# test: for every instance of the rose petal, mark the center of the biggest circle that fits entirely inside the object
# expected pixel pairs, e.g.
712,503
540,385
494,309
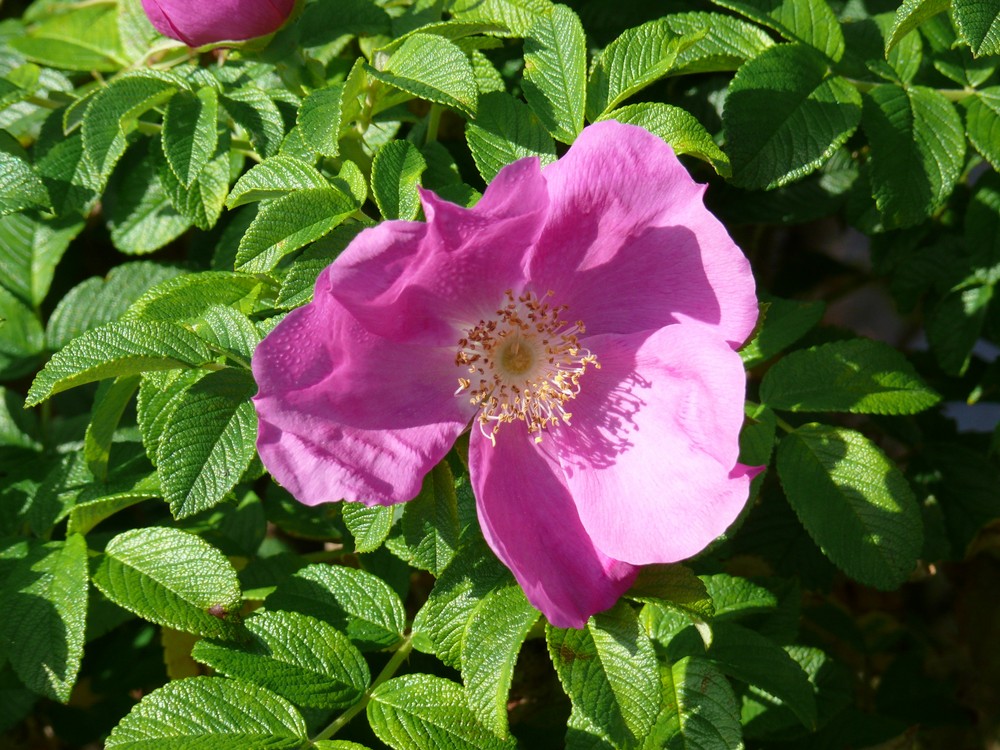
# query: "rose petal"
197,24
345,414
629,245
413,281
529,519
651,455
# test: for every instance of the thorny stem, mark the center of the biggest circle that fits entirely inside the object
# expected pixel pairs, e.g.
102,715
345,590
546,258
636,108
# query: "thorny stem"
390,669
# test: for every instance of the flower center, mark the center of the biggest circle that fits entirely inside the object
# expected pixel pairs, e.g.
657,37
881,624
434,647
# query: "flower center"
525,363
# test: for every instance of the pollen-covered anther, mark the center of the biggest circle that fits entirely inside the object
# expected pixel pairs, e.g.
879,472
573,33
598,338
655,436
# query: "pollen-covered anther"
525,363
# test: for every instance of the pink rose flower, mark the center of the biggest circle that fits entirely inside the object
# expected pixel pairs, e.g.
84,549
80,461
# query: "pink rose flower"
582,318
201,22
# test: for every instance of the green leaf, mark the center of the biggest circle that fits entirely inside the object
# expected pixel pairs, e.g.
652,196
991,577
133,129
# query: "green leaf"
319,120
188,296
140,214
441,624
735,597
296,656
785,115
102,300
190,133
858,376
159,394
493,639
22,340
109,405
432,68
210,713
297,286
115,350
979,24
207,442
113,112
396,172
853,501
610,673
639,57
506,130
555,72
727,43
673,585
678,127
430,524
69,178
171,578
85,38
982,124
418,711
289,223
810,22
368,524
254,111
917,151
910,15
955,324
45,609
230,331
354,601
100,501
201,202
136,32
756,660
783,322
515,15
20,187
30,250
273,178
700,709
18,428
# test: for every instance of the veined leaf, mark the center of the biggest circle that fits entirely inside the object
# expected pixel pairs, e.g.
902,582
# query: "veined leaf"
290,222
857,376
673,585
785,115
255,112
20,187
504,131
853,501
982,124
297,286
396,172
207,442
45,608
185,297
634,60
171,578
979,24
109,405
909,15
610,673
515,15
200,202
418,711
190,132
273,178
700,709
555,72
203,713
30,250
296,656
493,638
810,22
735,597
85,38
726,44
319,120
368,524
115,350
354,601
917,151
432,68
430,525
100,501
22,340
113,111
783,323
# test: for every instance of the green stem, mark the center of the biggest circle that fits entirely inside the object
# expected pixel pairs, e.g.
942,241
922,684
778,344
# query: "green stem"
952,95
390,669
433,123
777,420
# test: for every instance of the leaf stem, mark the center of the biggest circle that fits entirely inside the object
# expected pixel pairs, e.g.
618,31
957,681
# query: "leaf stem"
390,669
952,95
777,420
433,122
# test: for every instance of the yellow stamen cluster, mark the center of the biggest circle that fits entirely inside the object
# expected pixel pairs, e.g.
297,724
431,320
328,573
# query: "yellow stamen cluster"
525,363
